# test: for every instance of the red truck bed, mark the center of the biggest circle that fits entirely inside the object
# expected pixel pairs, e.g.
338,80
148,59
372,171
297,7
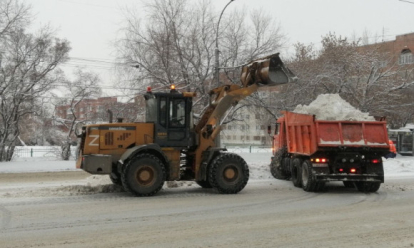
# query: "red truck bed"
305,135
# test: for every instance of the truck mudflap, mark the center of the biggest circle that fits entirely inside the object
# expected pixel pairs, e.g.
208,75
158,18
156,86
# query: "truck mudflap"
97,164
347,177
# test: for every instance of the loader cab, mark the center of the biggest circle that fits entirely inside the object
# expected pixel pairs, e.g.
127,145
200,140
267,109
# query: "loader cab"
172,116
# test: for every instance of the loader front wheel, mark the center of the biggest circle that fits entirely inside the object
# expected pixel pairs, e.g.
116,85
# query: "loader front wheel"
144,175
228,173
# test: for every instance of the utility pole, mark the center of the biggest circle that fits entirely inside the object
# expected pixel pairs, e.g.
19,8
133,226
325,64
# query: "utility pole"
217,51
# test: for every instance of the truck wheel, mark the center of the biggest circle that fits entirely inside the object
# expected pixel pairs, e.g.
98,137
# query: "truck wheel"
308,182
296,172
319,186
286,167
276,166
228,173
204,184
368,187
144,175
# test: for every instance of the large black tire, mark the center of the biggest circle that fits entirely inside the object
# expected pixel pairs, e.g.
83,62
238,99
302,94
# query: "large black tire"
277,168
115,178
143,175
368,187
286,165
204,184
309,183
320,186
296,172
228,173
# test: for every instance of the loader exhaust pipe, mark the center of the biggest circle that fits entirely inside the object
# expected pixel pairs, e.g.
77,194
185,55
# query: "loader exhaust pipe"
268,71
110,114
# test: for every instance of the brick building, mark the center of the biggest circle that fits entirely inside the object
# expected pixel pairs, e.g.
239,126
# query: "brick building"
399,51
96,110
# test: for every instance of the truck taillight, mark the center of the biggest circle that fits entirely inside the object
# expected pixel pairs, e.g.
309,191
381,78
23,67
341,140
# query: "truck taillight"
375,161
352,170
319,160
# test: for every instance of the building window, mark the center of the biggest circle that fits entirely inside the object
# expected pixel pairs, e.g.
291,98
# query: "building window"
256,137
247,137
234,137
406,57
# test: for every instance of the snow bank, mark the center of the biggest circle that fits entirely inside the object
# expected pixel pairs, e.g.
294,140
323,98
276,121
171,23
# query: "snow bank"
332,107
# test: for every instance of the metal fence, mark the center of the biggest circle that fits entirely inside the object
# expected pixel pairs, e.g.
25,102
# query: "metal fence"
55,151
40,151
249,149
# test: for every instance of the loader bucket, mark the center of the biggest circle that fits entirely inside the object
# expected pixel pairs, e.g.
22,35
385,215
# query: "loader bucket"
269,71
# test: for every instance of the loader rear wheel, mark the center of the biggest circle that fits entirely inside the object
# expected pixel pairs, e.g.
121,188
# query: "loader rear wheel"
228,173
115,178
368,187
204,184
277,168
296,172
144,175
309,184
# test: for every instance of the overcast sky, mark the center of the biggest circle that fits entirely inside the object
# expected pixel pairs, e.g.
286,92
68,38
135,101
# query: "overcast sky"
92,25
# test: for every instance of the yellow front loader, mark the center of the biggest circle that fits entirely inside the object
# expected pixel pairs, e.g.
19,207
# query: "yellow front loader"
168,146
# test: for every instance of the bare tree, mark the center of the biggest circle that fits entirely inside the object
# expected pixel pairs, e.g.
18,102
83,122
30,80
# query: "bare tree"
368,77
176,41
27,70
85,85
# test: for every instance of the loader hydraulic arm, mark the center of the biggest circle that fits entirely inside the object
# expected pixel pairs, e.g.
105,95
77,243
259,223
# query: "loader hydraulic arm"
268,71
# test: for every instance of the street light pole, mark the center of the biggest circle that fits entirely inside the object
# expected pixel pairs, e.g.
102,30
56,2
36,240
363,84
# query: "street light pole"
217,52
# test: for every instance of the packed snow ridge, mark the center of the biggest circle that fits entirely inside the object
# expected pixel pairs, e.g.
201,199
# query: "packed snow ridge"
332,107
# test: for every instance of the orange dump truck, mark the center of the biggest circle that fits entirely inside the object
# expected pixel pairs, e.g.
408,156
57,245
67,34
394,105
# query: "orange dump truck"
312,152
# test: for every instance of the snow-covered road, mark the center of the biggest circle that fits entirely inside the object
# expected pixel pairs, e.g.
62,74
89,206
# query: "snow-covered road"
59,206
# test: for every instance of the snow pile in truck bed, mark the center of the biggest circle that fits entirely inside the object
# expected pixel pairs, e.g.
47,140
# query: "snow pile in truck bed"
332,107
